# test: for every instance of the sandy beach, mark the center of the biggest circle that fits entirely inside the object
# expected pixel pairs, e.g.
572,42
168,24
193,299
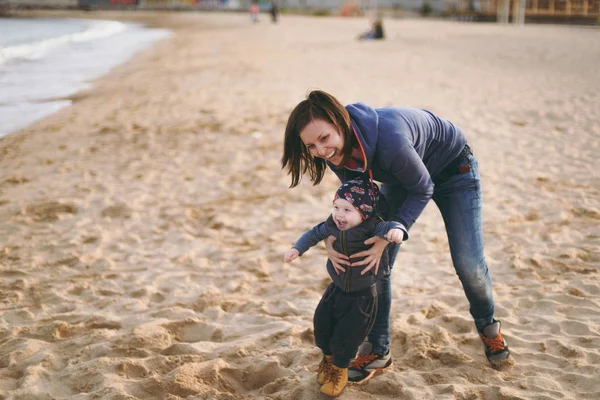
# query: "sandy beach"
143,228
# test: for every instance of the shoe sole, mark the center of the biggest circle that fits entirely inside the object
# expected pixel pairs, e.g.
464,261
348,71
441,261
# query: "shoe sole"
335,396
498,365
501,365
372,374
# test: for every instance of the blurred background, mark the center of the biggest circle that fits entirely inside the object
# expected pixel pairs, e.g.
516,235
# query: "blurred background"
556,11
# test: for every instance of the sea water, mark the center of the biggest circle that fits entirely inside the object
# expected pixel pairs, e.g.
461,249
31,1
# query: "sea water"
42,61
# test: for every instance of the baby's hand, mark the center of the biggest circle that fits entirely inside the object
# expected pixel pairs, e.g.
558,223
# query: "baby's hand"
291,255
395,235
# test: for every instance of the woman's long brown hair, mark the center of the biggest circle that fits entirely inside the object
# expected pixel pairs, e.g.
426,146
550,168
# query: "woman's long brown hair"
296,157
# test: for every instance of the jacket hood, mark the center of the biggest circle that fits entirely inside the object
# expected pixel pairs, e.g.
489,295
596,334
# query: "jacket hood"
365,122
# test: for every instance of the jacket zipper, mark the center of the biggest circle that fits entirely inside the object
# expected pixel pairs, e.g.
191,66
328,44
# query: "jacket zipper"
347,278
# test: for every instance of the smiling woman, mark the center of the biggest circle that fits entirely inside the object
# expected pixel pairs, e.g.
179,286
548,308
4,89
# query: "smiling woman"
318,130
418,157
323,140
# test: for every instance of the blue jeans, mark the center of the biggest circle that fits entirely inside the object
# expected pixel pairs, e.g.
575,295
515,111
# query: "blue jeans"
459,201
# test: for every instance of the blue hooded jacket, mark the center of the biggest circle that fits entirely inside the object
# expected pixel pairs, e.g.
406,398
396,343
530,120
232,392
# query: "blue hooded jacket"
403,146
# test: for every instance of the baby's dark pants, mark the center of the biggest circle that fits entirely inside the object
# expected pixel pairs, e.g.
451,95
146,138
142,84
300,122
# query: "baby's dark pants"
342,321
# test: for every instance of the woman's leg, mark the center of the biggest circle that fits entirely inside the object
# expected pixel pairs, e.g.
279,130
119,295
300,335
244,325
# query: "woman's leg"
379,336
459,201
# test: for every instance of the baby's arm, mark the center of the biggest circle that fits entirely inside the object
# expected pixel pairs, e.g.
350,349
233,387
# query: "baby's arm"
309,239
291,255
395,235
391,231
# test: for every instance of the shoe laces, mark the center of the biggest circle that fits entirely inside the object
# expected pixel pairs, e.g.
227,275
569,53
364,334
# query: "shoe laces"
325,366
334,376
362,360
494,344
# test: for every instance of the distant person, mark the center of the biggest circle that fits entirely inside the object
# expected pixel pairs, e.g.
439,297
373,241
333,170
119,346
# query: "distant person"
274,12
375,33
254,10
348,306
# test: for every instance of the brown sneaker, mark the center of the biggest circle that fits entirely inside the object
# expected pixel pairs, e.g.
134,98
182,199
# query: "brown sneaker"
496,349
324,368
338,379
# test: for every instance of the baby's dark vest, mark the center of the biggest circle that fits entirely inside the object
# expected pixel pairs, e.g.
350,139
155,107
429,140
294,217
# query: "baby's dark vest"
350,242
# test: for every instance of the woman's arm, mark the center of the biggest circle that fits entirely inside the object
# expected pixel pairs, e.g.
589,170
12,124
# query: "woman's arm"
372,256
383,230
410,173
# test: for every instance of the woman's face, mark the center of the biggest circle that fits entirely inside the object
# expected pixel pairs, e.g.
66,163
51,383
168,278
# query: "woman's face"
323,140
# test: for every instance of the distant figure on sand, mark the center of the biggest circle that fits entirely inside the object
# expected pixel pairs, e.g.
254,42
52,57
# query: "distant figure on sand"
254,10
348,306
375,33
274,11
419,157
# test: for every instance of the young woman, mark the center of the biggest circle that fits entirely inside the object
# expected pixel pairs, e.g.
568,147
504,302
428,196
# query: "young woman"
416,156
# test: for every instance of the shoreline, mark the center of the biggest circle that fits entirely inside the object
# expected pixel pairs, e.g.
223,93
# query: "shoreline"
150,18
145,224
87,73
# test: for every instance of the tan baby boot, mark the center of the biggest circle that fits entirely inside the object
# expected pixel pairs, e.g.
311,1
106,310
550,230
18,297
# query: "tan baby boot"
337,380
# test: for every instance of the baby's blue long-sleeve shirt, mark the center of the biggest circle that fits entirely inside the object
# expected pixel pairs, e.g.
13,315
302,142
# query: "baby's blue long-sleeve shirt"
320,231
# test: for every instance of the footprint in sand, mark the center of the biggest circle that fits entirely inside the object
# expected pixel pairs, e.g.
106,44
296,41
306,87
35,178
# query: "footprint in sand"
157,297
191,331
588,213
18,317
131,370
15,180
47,211
83,380
117,211
262,373
178,349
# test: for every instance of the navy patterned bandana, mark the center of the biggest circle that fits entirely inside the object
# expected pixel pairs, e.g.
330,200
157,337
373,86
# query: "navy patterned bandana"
363,196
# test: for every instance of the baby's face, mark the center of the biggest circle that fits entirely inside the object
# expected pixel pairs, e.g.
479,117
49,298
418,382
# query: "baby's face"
345,215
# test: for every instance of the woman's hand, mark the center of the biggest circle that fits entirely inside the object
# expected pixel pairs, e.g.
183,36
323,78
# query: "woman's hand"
337,259
372,256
